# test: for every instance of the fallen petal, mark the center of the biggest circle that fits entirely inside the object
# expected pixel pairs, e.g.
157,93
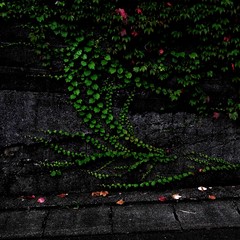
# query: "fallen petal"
95,194
212,197
104,193
176,196
62,195
216,115
29,197
202,189
41,200
162,199
120,202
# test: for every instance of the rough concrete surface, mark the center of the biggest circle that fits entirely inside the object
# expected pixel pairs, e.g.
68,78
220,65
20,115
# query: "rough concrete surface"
142,216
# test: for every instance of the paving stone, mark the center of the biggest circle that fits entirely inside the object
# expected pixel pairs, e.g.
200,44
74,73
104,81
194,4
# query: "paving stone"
136,218
82,221
206,214
21,224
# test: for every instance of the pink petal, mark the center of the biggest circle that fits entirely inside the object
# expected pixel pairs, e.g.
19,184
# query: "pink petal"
41,200
216,115
161,51
139,11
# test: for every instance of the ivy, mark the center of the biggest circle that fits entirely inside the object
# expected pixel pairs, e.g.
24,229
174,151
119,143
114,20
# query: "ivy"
111,48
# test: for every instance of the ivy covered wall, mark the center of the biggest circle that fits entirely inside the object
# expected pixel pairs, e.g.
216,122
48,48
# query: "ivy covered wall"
111,55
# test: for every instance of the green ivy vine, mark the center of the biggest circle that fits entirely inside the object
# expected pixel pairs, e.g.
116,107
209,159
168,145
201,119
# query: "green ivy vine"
102,48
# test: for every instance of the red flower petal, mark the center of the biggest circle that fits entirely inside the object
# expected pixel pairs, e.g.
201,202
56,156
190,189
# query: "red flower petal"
123,32
29,197
162,199
233,66
169,4
122,12
62,195
226,39
139,11
216,115
161,51
134,33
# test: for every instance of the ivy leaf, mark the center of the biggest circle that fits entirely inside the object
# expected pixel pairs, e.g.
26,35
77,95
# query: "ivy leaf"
128,75
120,71
96,110
84,56
193,55
72,97
79,39
70,88
83,63
87,49
90,92
96,96
77,54
87,73
91,65
107,58
112,70
77,92
88,82
40,18
104,62
94,77
100,105
64,34
95,87
92,100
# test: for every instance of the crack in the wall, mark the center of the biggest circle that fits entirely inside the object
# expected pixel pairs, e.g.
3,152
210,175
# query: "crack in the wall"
176,217
44,223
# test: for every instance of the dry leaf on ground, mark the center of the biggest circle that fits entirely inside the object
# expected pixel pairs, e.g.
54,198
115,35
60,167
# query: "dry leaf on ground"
120,202
100,193
212,197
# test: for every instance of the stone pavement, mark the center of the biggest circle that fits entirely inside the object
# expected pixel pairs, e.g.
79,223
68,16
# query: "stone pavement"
195,215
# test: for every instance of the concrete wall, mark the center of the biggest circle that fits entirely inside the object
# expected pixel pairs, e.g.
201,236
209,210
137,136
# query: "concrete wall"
29,103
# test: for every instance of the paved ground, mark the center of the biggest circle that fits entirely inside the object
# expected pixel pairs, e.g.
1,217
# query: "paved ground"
210,214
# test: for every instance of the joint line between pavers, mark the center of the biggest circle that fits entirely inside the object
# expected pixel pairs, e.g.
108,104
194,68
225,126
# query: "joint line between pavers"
44,223
176,217
237,208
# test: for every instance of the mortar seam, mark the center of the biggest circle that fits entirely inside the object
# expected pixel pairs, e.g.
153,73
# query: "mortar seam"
176,217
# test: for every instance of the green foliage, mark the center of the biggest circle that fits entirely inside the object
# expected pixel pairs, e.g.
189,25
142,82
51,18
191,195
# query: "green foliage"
107,47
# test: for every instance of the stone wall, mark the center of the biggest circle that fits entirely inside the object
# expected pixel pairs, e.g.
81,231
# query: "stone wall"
29,103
